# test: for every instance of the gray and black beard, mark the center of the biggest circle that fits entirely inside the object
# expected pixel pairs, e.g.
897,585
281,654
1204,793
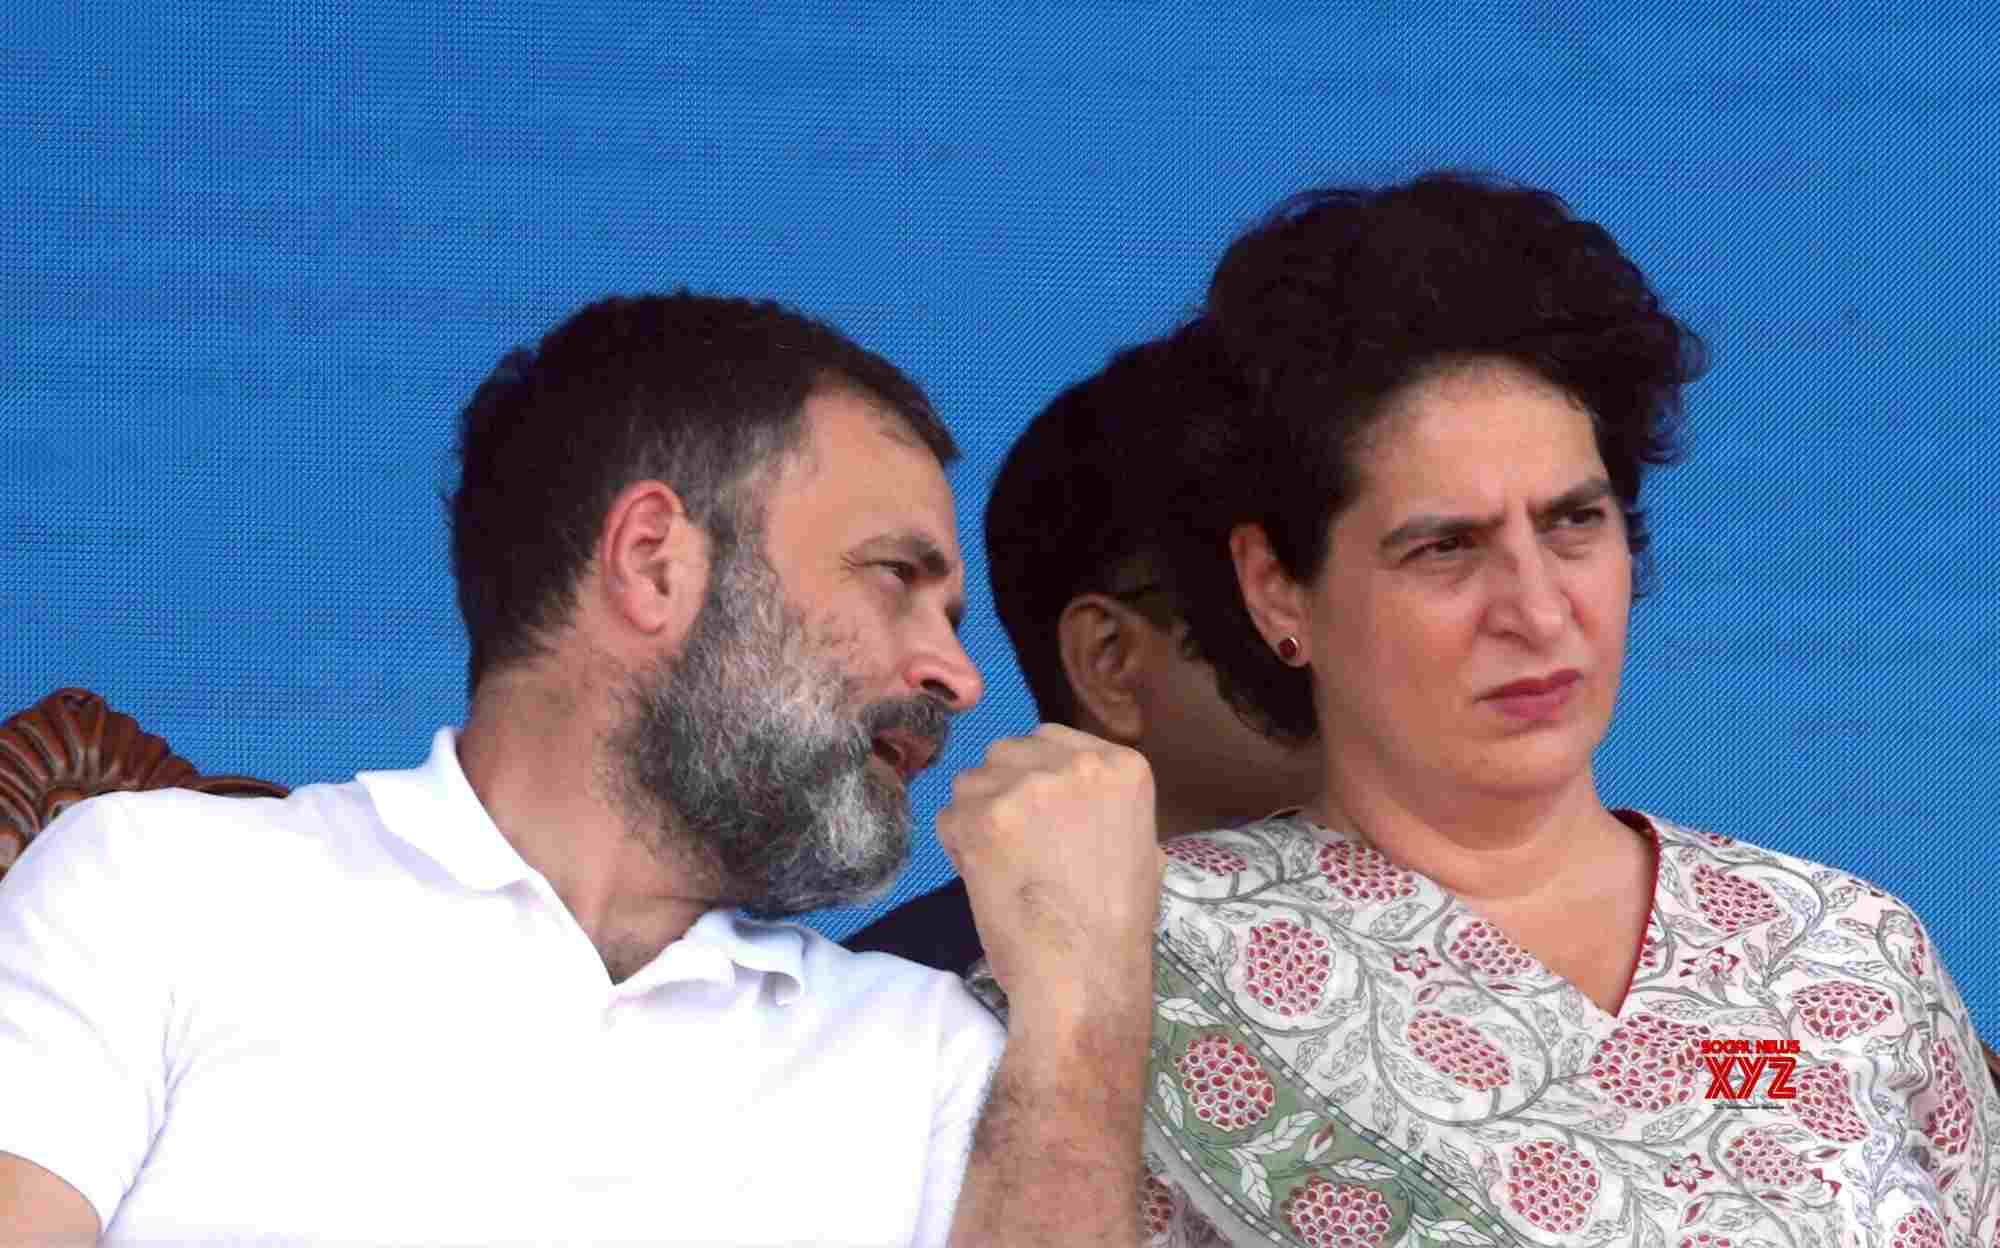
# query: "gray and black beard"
749,748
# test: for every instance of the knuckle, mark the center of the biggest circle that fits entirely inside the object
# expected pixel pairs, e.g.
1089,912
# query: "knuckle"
1127,764
1137,765
1108,764
1036,786
1084,768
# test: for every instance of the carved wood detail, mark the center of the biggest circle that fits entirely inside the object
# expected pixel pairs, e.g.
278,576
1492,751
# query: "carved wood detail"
70,746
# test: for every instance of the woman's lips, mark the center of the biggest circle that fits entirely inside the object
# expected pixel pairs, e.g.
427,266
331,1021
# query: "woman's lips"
1537,698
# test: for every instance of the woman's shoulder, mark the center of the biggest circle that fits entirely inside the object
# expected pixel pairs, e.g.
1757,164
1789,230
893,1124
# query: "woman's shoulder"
1288,859
1804,923
1215,845
1704,860
1278,846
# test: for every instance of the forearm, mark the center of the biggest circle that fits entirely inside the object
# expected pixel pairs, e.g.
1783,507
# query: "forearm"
1056,1155
1067,922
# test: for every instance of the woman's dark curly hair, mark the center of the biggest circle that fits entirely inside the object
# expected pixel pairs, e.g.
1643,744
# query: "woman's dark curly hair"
1340,299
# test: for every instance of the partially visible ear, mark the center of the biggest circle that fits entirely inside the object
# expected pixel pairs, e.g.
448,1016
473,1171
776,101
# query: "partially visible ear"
653,562
1103,643
1278,605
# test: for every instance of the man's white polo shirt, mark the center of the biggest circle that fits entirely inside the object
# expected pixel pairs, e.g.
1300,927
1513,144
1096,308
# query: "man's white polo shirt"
357,1016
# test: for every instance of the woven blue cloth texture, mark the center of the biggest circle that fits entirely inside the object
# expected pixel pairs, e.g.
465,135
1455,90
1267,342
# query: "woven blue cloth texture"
254,255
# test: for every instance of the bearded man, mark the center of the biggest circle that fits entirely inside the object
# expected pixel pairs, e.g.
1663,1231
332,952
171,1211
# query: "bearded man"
533,990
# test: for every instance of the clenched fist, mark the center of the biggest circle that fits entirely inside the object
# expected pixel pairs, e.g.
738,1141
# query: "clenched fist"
1054,836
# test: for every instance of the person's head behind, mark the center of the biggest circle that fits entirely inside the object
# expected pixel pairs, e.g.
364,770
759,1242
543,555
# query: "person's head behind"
1087,556
733,431
1346,307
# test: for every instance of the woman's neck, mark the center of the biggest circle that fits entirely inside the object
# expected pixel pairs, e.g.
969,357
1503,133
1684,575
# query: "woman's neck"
1531,867
1498,849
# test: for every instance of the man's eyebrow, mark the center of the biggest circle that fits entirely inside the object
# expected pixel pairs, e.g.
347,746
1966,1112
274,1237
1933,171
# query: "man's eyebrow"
1434,527
921,550
915,547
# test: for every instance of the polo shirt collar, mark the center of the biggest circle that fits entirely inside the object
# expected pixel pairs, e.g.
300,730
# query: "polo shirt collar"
433,809
722,941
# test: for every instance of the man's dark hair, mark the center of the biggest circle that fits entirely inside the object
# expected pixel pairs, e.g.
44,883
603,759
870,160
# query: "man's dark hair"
1344,296
704,393
1089,497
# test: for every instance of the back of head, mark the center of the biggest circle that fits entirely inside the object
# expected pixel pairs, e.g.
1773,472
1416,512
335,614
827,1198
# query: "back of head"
1088,500
704,393
1344,296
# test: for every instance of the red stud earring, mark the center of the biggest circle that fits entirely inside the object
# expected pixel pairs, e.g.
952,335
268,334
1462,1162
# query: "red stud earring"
1288,649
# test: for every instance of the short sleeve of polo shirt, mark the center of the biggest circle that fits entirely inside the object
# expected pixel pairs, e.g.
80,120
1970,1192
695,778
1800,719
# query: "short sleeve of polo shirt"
84,1001
972,1042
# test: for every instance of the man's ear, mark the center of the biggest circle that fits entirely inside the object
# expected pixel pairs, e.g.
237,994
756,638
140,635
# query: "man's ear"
1279,606
653,562
1103,643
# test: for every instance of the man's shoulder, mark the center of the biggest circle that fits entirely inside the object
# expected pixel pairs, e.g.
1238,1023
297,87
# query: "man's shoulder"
840,967
181,834
891,992
935,930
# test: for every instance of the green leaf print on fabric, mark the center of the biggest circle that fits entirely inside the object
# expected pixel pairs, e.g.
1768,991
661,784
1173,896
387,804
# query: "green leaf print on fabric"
1258,1150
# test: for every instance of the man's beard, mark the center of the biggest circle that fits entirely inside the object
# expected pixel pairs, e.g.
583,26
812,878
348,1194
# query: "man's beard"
746,750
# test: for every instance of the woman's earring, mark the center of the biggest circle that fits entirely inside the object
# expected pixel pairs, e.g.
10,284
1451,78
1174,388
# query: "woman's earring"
1288,650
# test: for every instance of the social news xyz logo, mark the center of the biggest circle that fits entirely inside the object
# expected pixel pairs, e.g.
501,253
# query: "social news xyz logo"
1736,1066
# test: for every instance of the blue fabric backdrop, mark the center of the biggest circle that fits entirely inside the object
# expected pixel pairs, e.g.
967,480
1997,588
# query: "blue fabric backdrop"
256,254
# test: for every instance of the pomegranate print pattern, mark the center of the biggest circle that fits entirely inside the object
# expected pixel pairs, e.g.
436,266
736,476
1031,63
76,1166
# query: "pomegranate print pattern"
1327,1215
1156,1209
1286,967
1345,1054
1204,855
1360,873
1760,1160
1918,1230
1731,902
1484,950
1825,1103
1835,1011
1653,950
1551,1185
1949,1126
1456,1049
1229,1089
1650,1063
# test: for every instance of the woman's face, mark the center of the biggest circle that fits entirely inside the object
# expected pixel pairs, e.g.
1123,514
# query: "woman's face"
1468,629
